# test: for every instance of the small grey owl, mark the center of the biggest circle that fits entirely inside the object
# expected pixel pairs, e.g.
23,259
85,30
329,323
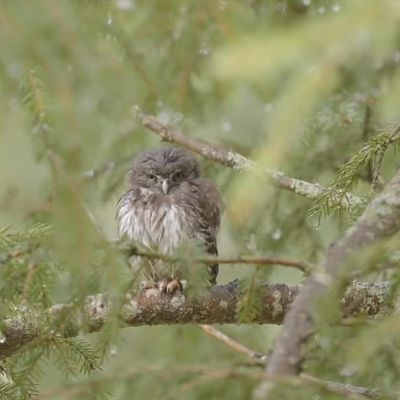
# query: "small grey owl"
168,204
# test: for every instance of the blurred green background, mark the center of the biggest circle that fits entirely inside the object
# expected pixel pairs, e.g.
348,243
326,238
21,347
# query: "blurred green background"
297,85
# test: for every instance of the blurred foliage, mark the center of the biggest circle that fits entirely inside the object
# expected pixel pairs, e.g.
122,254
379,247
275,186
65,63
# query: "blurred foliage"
310,87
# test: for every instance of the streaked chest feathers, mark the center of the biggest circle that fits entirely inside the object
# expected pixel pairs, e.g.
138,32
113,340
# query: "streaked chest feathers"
153,221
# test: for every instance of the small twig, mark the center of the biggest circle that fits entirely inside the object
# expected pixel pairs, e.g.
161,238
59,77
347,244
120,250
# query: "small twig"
254,260
262,260
343,389
206,376
28,281
376,178
108,167
236,161
233,344
365,133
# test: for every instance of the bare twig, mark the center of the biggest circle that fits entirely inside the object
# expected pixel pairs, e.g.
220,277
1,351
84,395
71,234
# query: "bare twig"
376,178
233,344
236,161
380,219
343,389
365,134
254,260
28,281
108,167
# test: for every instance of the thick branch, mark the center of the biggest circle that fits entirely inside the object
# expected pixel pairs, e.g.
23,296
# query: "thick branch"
236,161
381,219
149,308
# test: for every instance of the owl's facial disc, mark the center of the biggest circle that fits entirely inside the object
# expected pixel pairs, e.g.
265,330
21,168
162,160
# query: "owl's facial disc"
163,170
159,183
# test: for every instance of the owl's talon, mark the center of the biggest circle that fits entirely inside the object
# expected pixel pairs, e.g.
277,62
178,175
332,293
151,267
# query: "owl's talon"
174,285
162,286
144,285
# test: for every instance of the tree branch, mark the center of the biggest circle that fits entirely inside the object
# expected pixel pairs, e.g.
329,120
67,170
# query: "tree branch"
233,344
344,389
376,178
204,373
149,308
236,161
209,260
380,219
92,174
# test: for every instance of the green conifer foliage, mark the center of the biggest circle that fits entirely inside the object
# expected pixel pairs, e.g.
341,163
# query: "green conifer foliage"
307,87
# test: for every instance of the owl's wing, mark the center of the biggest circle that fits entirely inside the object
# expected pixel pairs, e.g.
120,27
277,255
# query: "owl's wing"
207,221
125,216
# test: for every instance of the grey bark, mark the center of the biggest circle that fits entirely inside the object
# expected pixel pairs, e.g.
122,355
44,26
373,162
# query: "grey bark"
149,308
236,161
381,219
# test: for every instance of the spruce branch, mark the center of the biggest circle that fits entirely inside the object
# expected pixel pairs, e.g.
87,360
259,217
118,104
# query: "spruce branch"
236,161
335,197
380,220
218,306
35,97
9,239
365,136
392,139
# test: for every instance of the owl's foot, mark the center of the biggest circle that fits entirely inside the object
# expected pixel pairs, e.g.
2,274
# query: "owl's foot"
164,286
174,285
154,288
144,285
169,286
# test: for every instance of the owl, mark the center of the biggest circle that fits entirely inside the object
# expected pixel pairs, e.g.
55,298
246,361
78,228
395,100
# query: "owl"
167,207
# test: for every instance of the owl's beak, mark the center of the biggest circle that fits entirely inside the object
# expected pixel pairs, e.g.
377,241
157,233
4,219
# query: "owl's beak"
164,185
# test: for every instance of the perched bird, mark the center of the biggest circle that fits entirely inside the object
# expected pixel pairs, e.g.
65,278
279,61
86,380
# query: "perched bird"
168,206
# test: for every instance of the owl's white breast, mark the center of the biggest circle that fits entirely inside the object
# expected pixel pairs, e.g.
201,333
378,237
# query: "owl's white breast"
157,225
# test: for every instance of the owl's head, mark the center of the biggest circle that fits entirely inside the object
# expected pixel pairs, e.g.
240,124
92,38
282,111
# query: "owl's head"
163,169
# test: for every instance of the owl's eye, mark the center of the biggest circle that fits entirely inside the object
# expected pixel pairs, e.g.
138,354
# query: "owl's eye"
177,176
151,177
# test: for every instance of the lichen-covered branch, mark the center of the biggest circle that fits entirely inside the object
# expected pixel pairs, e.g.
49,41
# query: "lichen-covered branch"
381,219
149,308
236,161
